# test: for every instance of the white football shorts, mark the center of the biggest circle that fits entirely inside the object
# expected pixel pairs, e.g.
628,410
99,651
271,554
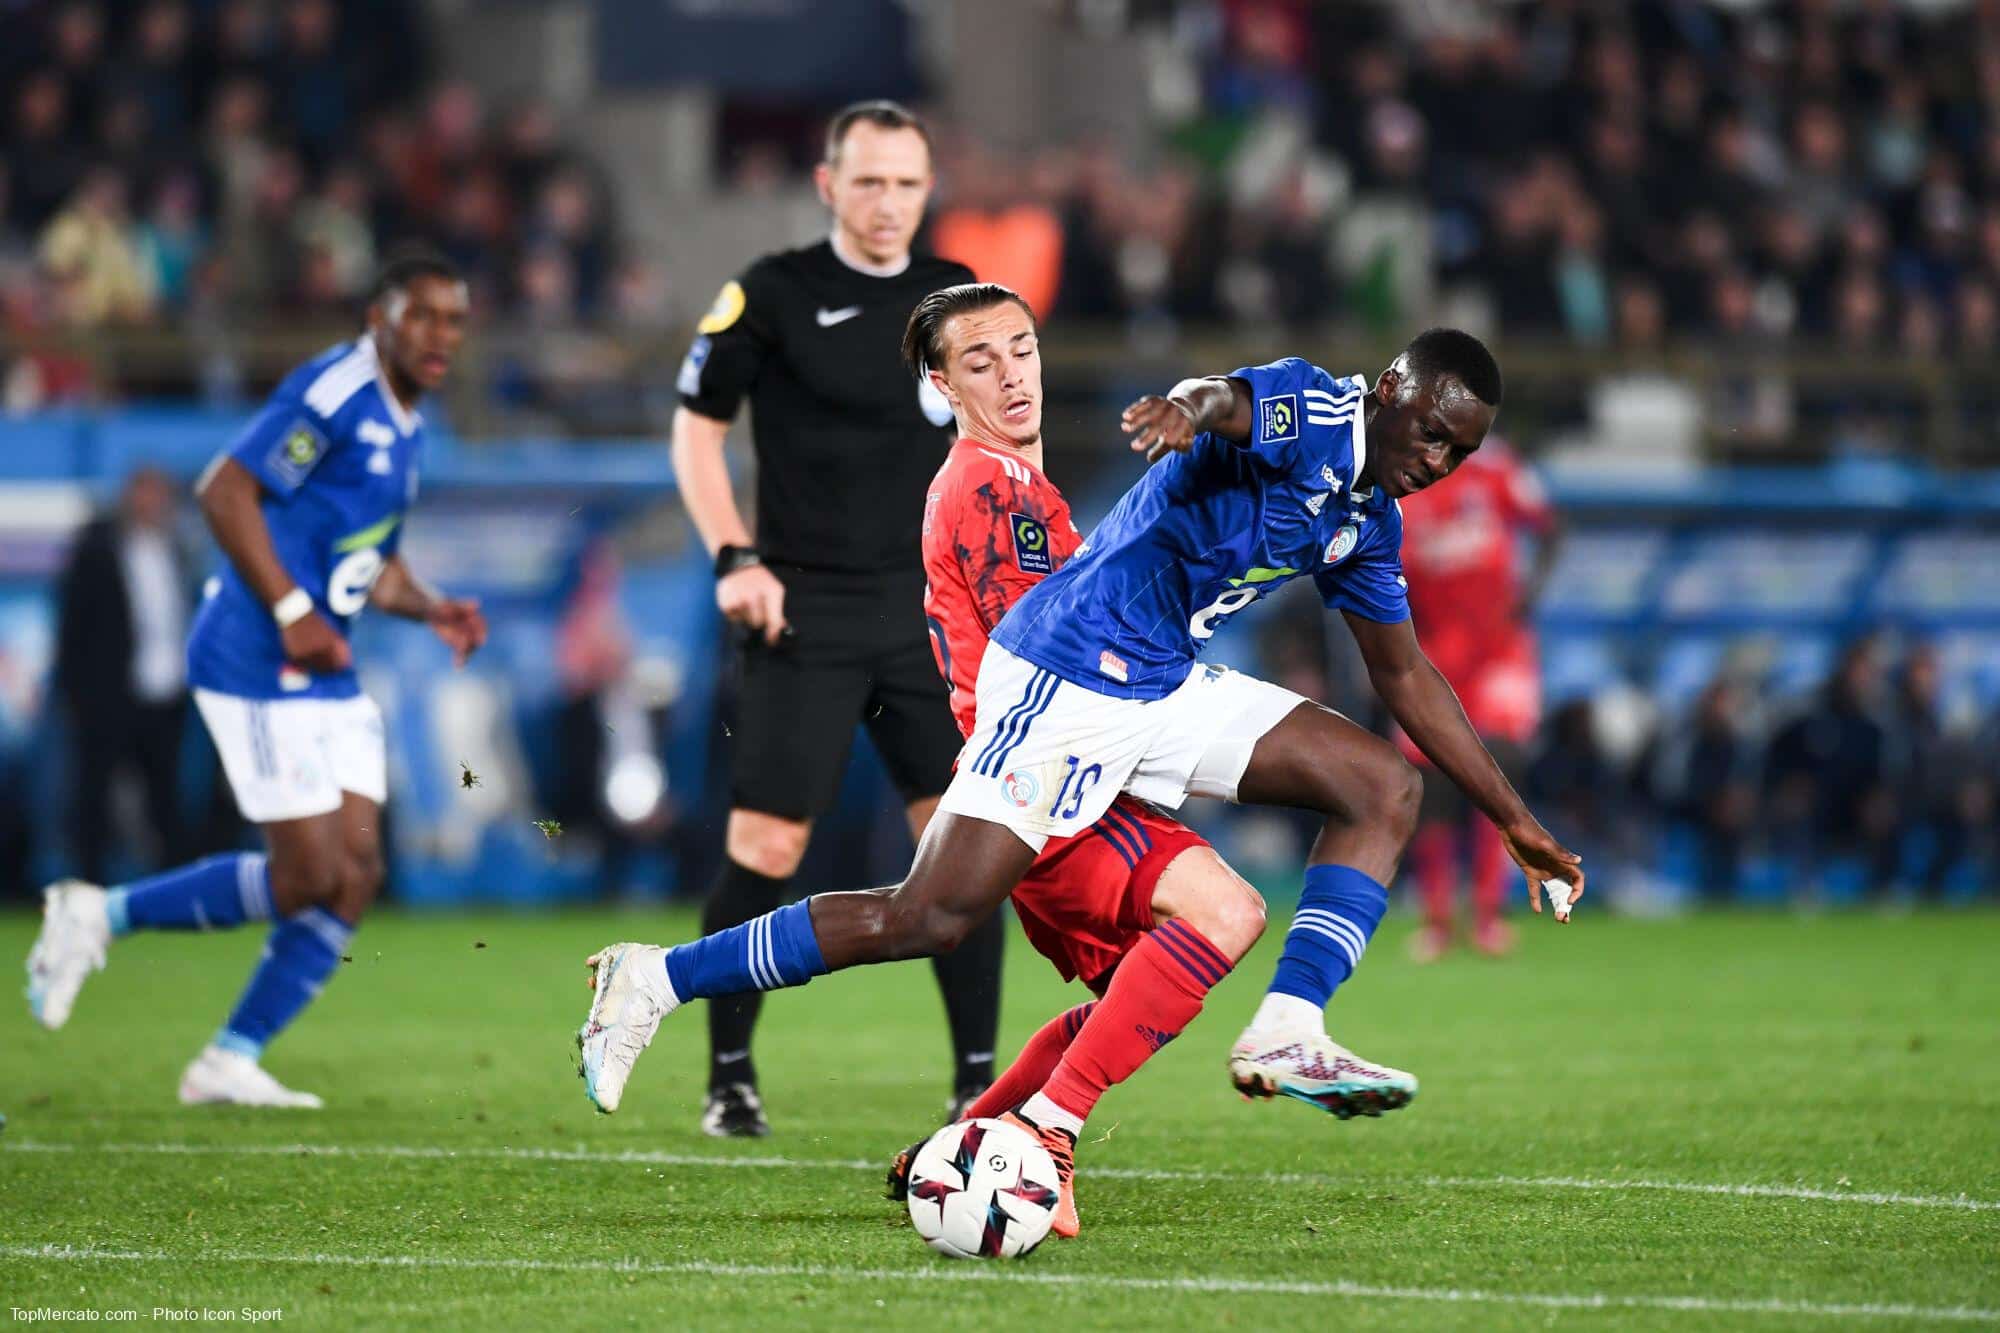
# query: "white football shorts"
1048,756
292,758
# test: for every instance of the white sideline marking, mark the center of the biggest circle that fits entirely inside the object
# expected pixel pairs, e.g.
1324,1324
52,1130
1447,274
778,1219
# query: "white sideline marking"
645,1157
1595,1300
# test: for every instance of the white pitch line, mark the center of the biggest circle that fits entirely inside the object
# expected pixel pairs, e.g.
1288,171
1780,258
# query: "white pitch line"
1596,1300
649,1157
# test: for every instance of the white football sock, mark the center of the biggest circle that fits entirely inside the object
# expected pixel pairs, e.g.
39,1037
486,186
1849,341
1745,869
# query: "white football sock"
1041,1111
1288,1013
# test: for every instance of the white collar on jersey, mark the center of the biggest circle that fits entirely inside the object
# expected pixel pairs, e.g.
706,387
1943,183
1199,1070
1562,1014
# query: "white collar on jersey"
860,265
406,420
1360,445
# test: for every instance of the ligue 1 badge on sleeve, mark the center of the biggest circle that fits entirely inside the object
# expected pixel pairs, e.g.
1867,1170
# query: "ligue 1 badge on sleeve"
1279,417
1342,544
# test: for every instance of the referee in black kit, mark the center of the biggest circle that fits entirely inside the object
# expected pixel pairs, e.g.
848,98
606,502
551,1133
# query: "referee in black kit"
829,596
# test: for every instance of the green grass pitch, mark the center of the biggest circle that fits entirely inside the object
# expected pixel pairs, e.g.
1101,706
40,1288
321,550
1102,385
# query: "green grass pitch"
1722,1122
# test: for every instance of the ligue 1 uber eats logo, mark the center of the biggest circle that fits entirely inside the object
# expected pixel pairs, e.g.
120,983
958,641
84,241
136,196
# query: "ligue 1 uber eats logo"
1281,418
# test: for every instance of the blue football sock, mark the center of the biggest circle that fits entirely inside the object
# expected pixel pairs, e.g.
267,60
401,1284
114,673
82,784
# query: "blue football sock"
1338,912
766,953
218,893
303,951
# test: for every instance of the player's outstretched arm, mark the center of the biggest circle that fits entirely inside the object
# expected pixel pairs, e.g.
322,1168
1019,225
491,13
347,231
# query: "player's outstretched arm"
1212,405
456,620
230,498
1424,703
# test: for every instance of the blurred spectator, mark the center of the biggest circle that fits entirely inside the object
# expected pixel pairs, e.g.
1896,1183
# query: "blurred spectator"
42,158
333,226
993,226
158,72
1574,780
1704,774
123,601
172,238
1828,771
1944,783
90,252
312,75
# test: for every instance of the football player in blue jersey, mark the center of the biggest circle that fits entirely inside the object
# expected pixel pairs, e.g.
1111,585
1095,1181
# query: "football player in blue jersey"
308,505
1091,686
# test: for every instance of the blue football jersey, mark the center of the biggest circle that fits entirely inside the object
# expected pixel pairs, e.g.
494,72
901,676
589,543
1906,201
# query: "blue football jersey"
337,456
1207,532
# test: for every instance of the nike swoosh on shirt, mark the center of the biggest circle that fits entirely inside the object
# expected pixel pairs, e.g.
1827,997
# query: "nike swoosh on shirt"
828,318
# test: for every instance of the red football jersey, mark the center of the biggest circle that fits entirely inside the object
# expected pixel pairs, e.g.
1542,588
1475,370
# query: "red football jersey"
994,526
1461,556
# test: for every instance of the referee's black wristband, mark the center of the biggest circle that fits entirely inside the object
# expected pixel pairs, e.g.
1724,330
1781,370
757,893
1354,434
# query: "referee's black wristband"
732,558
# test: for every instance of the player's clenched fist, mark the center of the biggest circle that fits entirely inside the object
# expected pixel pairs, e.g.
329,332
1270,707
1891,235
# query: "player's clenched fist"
310,642
1157,426
753,596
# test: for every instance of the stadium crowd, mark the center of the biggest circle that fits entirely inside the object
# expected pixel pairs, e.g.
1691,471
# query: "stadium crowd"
174,164
1606,175
1875,783
1601,174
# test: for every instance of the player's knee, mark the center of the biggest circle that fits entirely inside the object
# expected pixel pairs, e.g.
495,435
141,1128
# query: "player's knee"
361,882
767,844
1240,920
917,929
1199,888
301,882
1388,796
1406,803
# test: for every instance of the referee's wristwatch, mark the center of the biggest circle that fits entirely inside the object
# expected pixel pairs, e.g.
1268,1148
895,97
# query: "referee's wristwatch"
729,559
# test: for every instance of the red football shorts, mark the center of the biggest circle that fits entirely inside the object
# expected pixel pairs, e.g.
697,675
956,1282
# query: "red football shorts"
1087,899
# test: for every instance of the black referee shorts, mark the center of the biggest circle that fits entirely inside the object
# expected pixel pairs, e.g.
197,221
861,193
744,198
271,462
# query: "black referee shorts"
858,653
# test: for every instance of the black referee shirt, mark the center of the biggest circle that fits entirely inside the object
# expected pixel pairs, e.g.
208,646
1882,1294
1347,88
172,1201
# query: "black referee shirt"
847,441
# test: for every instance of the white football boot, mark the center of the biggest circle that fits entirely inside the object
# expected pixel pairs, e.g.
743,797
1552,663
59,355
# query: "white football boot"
76,931
632,995
1317,1070
231,1078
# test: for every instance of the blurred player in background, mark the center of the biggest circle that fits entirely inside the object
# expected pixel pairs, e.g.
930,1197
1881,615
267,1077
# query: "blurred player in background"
1138,906
308,506
828,594
1472,602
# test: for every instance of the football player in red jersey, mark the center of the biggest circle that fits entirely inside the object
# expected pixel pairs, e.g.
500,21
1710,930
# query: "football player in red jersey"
1138,906
1471,598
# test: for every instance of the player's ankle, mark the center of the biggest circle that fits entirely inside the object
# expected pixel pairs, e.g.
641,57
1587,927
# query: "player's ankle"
1043,1112
1280,1012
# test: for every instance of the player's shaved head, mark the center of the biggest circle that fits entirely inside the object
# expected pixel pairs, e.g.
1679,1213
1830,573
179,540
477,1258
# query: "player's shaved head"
923,336
1436,355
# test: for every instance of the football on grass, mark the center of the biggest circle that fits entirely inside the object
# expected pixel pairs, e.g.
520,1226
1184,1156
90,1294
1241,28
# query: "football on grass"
982,1189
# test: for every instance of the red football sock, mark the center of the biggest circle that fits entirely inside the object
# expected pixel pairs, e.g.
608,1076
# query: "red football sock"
1157,990
1434,856
1032,1067
1492,870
